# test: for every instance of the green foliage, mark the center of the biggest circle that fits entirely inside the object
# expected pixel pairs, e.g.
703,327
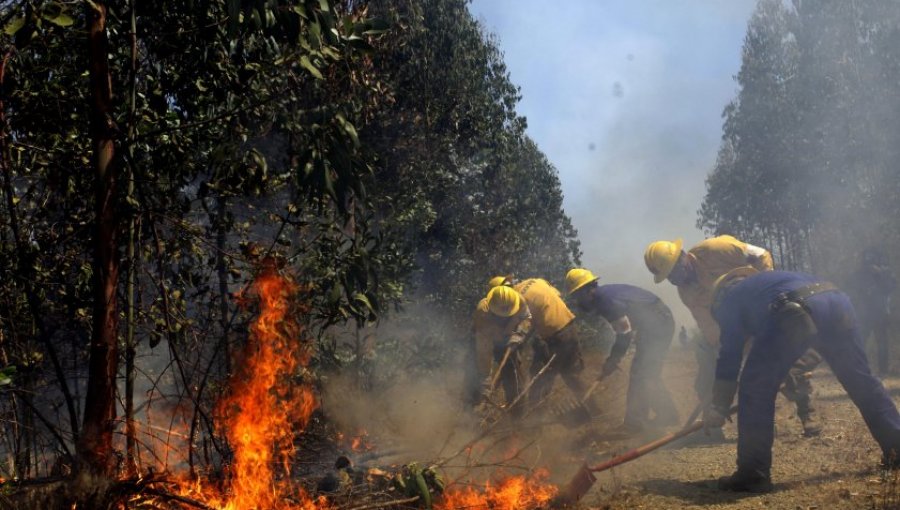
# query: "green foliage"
416,481
7,374
463,187
373,150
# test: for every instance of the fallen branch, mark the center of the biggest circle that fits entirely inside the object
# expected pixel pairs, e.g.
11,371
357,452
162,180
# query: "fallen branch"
386,503
528,386
175,497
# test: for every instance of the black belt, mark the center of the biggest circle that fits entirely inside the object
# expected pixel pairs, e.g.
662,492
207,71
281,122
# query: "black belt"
800,295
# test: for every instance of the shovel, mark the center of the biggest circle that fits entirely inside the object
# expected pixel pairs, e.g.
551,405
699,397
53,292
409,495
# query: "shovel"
584,479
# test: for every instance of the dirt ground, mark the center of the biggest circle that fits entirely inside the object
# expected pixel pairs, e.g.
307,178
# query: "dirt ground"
834,471
837,470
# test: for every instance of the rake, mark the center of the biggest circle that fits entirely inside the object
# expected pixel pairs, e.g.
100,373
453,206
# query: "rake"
584,479
574,413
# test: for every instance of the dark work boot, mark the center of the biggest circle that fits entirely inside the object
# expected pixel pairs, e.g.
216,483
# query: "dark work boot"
746,481
812,427
890,460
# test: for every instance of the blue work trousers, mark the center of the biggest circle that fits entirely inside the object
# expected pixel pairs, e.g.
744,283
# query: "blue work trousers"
770,358
646,391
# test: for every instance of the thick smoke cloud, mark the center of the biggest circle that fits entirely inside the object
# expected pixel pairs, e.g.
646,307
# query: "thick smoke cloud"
625,98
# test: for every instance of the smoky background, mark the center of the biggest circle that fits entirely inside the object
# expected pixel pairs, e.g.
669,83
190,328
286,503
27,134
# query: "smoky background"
772,121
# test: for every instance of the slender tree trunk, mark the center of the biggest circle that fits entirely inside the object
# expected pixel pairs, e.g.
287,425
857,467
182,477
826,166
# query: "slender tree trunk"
130,429
95,448
222,272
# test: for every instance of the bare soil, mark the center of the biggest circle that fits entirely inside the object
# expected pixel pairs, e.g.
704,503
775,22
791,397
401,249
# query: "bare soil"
836,470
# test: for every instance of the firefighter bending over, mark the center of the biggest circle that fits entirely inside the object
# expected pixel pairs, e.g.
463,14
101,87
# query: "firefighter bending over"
639,316
787,314
694,272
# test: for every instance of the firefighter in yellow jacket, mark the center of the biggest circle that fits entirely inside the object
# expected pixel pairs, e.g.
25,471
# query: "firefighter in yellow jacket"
495,335
694,273
551,321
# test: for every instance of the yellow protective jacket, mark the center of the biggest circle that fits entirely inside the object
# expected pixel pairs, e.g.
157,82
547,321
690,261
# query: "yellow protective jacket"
492,331
711,259
549,312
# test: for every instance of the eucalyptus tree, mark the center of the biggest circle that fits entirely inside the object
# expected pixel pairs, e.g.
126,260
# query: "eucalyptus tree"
175,105
808,159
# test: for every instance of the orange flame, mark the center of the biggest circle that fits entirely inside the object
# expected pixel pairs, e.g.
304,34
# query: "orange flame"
264,409
361,442
512,493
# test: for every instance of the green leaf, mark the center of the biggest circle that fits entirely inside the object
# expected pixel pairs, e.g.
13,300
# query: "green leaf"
304,61
358,296
6,375
61,19
349,129
13,26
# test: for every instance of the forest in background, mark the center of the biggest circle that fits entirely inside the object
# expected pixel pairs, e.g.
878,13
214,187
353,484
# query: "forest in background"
156,154
809,164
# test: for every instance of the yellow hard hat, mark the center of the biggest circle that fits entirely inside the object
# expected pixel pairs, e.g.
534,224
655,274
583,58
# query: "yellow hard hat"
661,257
504,301
728,279
498,281
578,278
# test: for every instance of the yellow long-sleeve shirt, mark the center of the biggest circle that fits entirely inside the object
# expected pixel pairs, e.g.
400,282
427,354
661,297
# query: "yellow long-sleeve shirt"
548,310
711,259
492,330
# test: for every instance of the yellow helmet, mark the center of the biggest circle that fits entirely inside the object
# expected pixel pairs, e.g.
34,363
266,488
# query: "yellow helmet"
498,281
578,278
504,301
661,257
727,280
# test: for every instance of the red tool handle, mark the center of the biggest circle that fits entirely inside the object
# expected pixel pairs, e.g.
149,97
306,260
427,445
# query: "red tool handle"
649,447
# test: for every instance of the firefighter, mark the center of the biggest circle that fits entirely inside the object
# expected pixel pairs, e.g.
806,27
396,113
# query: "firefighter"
870,288
496,281
499,338
555,335
787,313
635,315
694,273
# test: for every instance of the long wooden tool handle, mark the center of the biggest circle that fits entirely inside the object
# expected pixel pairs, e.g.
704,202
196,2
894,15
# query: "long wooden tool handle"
593,387
649,447
500,369
696,412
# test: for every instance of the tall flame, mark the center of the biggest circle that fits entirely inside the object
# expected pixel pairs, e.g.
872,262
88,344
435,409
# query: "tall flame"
264,409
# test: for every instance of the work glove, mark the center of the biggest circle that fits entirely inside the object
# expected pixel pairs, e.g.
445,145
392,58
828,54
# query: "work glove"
609,366
717,412
515,341
712,419
619,348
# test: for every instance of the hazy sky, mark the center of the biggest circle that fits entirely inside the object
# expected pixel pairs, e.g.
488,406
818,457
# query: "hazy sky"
625,98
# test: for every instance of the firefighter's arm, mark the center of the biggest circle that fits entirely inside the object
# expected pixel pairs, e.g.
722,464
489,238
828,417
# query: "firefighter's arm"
522,329
707,324
484,356
759,258
717,411
694,300
624,335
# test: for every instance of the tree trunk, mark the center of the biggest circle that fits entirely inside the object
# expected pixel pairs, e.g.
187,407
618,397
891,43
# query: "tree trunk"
131,467
95,447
